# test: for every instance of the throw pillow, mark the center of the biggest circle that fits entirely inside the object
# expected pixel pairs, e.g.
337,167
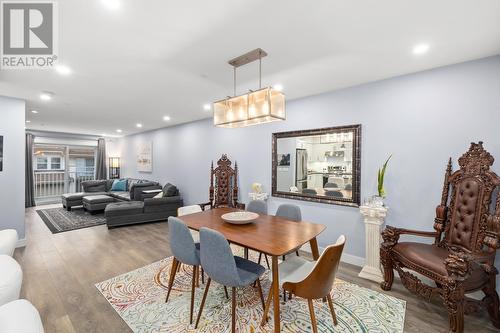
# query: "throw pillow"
119,185
131,182
170,190
96,186
159,195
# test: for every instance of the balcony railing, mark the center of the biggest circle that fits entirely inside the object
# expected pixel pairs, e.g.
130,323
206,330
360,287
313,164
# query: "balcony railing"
51,184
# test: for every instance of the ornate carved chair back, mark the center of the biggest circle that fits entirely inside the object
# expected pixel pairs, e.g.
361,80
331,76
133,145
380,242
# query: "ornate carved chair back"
223,184
469,223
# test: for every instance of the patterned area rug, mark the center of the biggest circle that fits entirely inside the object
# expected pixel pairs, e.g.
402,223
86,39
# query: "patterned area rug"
139,298
60,220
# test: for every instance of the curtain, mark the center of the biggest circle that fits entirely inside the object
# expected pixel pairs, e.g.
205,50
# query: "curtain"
100,164
29,192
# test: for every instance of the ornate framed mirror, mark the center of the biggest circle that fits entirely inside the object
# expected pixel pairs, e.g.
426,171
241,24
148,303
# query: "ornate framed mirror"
319,165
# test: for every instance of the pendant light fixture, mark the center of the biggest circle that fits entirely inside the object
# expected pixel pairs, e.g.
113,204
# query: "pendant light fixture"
255,107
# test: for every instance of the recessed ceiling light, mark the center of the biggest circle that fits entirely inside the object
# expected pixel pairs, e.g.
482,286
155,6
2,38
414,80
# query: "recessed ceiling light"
34,111
138,125
118,131
63,69
207,107
104,134
28,121
112,4
278,87
45,96
166,118
421,48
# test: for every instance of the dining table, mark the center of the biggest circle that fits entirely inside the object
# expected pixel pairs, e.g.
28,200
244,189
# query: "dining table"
271,235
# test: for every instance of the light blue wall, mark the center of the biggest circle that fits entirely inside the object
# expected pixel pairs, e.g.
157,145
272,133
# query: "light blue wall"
422,119
12,122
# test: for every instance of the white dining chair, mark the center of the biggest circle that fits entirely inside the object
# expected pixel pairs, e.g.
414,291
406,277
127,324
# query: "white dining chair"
186,210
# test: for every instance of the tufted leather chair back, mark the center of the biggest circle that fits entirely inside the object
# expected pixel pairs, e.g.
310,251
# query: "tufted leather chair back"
471,193
466,213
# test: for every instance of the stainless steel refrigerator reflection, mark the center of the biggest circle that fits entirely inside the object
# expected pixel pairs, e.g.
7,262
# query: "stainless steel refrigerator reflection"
301,167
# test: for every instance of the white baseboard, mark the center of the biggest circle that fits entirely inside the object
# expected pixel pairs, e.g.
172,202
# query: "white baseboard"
353,260
21,243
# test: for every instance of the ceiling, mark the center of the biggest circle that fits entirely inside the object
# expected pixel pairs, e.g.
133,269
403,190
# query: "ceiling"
149,59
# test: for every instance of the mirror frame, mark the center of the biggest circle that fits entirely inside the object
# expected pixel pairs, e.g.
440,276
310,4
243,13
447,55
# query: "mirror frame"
355,201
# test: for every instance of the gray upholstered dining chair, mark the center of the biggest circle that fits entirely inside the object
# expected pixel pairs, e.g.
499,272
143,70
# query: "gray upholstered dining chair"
292,213
219,263
331,185
309,191
336,194
259,207
185,251
289,212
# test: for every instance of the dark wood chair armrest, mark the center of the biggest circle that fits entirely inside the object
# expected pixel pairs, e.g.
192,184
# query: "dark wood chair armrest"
391,235
431,234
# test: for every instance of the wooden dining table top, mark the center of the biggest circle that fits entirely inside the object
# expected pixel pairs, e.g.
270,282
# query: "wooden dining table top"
269,234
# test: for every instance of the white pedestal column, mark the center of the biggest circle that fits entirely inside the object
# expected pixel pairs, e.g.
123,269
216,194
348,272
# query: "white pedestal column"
374,221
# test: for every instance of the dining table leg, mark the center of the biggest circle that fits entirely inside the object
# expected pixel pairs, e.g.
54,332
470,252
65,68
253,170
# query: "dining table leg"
314,248
276,295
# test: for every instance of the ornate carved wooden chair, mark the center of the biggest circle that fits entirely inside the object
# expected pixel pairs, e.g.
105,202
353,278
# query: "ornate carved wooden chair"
223,190
466,237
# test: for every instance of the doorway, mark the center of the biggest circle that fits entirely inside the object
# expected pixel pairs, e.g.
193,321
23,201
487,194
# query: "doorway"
61,169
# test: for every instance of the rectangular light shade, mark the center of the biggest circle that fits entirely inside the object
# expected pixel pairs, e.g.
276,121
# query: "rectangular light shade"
257,107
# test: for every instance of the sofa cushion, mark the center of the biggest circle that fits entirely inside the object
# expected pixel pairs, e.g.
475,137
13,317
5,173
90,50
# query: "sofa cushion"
92,186
8,241
120,195
20,316
137,188
170,190
132,181
73,196
109,184
119,185
124,208
165,204
95,199
11,278
431,258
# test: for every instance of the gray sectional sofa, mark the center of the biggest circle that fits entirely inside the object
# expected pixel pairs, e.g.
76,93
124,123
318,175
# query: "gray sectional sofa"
149,210
135,187
127,207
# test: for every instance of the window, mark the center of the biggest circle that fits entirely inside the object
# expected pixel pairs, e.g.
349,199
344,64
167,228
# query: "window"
41,163
55,163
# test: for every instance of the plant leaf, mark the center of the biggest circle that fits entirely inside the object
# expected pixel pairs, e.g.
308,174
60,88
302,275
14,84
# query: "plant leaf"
381,175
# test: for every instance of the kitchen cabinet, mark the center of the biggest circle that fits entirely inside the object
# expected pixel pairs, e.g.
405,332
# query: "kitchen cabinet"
315,180
348,153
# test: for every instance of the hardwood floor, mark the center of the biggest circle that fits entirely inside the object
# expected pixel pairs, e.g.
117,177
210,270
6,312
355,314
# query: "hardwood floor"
60,271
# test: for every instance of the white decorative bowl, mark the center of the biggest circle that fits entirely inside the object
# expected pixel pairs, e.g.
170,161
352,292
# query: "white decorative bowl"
240,217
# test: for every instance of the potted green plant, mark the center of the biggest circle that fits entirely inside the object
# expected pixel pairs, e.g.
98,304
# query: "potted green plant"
378,200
